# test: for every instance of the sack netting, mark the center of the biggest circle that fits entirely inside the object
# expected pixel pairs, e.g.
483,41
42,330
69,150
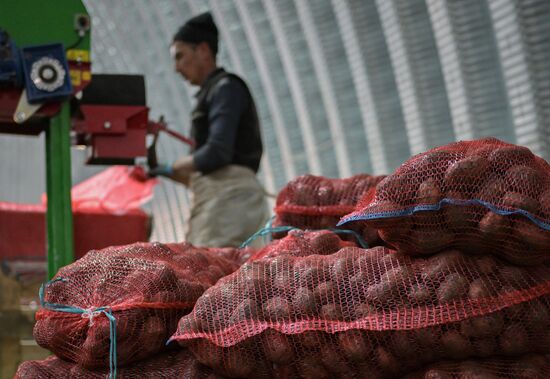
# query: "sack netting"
531,366
367,313
301,243
479,196
121,304
179,364
316,202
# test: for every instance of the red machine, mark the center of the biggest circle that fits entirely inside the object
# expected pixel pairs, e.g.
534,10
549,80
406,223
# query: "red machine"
112,121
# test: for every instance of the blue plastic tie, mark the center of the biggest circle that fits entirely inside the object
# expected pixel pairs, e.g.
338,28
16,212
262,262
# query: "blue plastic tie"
435,207
88,313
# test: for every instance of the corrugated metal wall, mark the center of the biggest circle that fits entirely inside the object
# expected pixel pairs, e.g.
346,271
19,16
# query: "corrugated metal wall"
342,87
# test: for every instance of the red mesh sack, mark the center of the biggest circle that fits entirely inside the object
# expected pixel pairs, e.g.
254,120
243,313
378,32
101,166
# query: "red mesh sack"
169,365
479,196
237,255
121,304
300,243
316,202
532,366
366,313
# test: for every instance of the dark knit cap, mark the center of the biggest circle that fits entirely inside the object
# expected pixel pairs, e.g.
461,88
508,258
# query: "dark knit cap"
198,29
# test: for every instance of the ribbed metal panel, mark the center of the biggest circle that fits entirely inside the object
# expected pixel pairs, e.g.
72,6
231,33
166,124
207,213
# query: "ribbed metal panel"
417,70
522,30
471,68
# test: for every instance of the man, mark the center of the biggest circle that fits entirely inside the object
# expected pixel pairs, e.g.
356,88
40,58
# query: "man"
227,202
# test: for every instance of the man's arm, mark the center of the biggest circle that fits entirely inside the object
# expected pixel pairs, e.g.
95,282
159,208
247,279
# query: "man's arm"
227,106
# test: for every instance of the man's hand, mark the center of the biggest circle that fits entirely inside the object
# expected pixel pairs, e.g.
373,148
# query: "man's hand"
182,170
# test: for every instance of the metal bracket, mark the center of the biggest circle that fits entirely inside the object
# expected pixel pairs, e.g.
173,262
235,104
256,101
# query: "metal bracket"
24,110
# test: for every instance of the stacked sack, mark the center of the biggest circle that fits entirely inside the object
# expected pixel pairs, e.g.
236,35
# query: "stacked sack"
316,202
167,365
464,277
528,367
119,305
366,313
477,196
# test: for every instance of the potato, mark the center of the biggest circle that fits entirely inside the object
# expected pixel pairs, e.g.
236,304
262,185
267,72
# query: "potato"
505,156
453,288
276,308
206,353
396,233
489,325
544,201
354,345
425,337
238,362
537,240
401,343
326,194
457,217
392,188
436,374
283,280
300,193
455,345
480,288
428,192
525,179
325,293
309,276
342,267
486,347
311,339
442,263
494,226
386,361
380,292
492,190
466,175
247,310
357,284
419,294
277,347
364,310
331,312
538,320
485,264
311,368
431,164
324,243
335,362
515,200
514,341
303,302
429,241
511,276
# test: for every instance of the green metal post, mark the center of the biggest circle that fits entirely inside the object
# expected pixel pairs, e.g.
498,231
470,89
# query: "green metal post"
59,218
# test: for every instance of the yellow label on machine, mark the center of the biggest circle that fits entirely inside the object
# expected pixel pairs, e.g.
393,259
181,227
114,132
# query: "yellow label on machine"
75,77
78,55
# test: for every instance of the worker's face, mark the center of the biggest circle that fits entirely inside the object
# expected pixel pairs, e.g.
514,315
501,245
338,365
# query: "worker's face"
188,61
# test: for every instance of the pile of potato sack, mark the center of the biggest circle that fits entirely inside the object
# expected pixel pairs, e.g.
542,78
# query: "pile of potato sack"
455,284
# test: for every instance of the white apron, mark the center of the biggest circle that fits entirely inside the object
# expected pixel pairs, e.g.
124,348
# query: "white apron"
227,206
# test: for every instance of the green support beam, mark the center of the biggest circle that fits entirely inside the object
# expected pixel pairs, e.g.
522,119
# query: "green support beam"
38,22
59,218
